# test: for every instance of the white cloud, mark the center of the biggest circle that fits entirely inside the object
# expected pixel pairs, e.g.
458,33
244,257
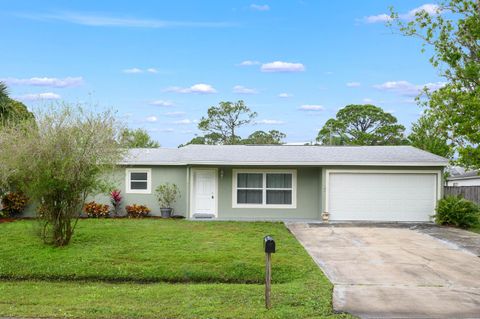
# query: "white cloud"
378,18
151,119
161,130
429,8
285,95
353,84
138,70
39,96
280,66
45,81
240,89
175,114
184,122
269,122
127,22
249,63
367,100
260,7
406,88
162,103
132,71
311,107
200,88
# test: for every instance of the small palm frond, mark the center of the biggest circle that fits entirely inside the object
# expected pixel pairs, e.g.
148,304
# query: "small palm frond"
3,90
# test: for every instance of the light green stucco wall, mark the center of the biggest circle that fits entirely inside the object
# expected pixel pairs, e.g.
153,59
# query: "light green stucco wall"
160,175
311,190
308,197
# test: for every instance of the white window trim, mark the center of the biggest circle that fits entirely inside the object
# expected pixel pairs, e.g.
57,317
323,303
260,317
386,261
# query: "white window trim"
264,205
128,172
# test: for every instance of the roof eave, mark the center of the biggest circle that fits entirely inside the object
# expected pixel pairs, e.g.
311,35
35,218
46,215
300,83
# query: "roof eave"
222,163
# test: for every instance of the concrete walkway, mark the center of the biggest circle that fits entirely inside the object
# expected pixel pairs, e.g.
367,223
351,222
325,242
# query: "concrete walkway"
383,272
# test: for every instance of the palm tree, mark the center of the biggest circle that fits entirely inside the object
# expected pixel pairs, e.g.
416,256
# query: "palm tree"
3,90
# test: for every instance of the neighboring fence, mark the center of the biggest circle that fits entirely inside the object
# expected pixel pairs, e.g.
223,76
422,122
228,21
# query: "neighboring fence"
468,192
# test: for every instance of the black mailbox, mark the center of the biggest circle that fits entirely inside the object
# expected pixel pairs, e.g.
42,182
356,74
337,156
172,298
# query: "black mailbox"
269,244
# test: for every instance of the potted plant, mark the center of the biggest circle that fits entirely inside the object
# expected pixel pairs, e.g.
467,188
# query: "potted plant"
167,195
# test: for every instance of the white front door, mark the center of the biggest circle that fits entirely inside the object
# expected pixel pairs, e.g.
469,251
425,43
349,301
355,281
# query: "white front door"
204,192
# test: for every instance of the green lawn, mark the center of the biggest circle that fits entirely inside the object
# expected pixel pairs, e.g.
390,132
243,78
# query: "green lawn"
158,269
475,229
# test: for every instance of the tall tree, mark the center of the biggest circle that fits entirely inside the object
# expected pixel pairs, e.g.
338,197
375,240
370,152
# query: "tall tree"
138,138
10,109
261,137
225,119
453,32
362,125
59,162
207,139
427,135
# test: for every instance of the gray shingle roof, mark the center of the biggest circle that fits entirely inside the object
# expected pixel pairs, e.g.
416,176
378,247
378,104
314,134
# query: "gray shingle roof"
284,155
458,172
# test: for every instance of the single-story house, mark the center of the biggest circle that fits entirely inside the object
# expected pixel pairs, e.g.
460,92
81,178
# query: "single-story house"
459,176
248,182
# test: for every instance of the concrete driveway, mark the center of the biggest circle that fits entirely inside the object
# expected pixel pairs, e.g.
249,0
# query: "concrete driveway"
392,272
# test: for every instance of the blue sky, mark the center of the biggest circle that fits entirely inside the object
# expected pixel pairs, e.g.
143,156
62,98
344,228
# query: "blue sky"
161,64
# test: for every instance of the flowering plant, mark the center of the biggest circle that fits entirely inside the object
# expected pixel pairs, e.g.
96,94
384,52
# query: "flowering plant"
137,211
116,200
94,209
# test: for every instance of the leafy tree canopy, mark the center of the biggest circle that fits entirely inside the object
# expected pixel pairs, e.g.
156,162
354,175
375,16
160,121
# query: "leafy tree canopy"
224,120
11,110
427,135
137,138
362,125
453,33
262,137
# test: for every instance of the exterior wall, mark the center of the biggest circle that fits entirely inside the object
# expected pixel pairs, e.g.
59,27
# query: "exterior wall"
308,197
464,182
311,191
160,175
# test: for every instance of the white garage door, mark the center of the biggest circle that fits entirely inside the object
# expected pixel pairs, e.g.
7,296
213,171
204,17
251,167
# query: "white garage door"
382,196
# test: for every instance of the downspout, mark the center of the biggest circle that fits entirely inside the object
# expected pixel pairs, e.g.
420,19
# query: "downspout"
188,193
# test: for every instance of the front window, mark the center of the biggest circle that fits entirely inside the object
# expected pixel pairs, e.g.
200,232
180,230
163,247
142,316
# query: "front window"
138,181
269,189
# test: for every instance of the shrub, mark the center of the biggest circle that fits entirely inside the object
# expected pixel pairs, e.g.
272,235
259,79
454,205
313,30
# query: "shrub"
167,194
96,210
60,160
13,203
457,211
137,211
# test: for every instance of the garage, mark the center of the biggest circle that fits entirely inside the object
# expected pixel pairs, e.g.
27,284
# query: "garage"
382,196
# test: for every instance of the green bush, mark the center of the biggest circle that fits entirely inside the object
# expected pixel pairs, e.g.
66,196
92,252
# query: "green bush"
457,211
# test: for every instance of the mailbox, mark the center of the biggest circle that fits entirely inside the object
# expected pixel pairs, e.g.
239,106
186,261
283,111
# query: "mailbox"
269,244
